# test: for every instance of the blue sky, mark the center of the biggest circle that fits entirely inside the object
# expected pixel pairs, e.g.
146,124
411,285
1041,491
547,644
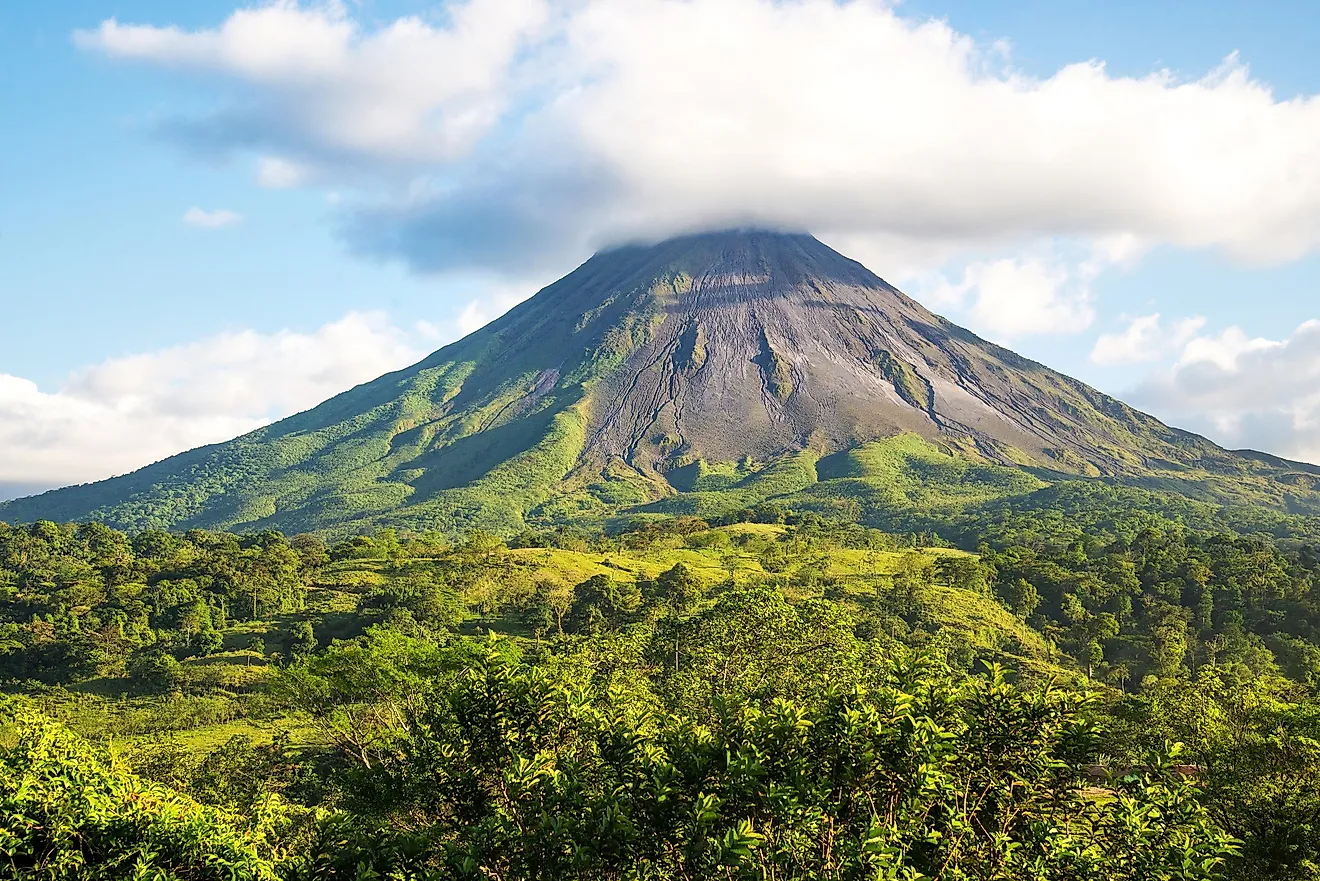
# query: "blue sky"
95,259
430,182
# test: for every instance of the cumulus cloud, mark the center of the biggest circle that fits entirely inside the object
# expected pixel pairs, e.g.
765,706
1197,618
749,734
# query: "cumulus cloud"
317,83
1015,296
531,129
128,412
217,219
1045,289
1244,391
1145,339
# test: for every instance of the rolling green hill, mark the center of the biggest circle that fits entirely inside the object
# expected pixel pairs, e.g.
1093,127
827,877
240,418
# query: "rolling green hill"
701,375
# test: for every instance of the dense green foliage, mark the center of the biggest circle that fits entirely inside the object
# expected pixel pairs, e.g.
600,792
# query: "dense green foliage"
774,696
65,814
1259,743
76,603
1143,595
509,773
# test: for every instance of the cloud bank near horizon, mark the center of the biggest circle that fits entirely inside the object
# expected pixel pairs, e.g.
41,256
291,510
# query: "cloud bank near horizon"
122,414
1244,391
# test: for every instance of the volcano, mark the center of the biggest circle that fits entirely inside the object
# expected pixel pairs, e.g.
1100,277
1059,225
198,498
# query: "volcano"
698,364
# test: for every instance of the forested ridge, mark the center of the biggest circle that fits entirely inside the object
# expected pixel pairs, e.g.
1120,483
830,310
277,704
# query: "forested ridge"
1097,683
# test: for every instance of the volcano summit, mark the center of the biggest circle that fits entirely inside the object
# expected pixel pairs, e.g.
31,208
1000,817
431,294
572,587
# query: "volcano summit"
707,371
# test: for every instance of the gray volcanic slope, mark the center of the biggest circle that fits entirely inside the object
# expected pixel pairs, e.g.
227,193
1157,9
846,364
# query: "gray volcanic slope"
767,343
588,396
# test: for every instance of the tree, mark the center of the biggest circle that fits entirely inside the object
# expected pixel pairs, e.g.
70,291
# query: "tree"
1094,656
207,641
482,546
551,601
423,593
600,604
311,551
358,693
255,646
963,572
680,590
359,547
387,545
913,572
1170,647
153,669
1257,749
301,639
752,642
1020,596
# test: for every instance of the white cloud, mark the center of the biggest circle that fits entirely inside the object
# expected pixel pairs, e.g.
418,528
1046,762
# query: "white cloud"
1017,296
1141,342
1225,350
1245,392
128,412
275,173
1046,289
496,300
320,83
534,129
1144,340
217,219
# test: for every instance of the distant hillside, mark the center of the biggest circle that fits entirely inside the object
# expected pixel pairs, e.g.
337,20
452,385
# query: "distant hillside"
703,373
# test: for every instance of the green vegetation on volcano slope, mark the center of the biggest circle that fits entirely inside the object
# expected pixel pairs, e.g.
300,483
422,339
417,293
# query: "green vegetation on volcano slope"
408,465
375,464
906,484
598,397
474,436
